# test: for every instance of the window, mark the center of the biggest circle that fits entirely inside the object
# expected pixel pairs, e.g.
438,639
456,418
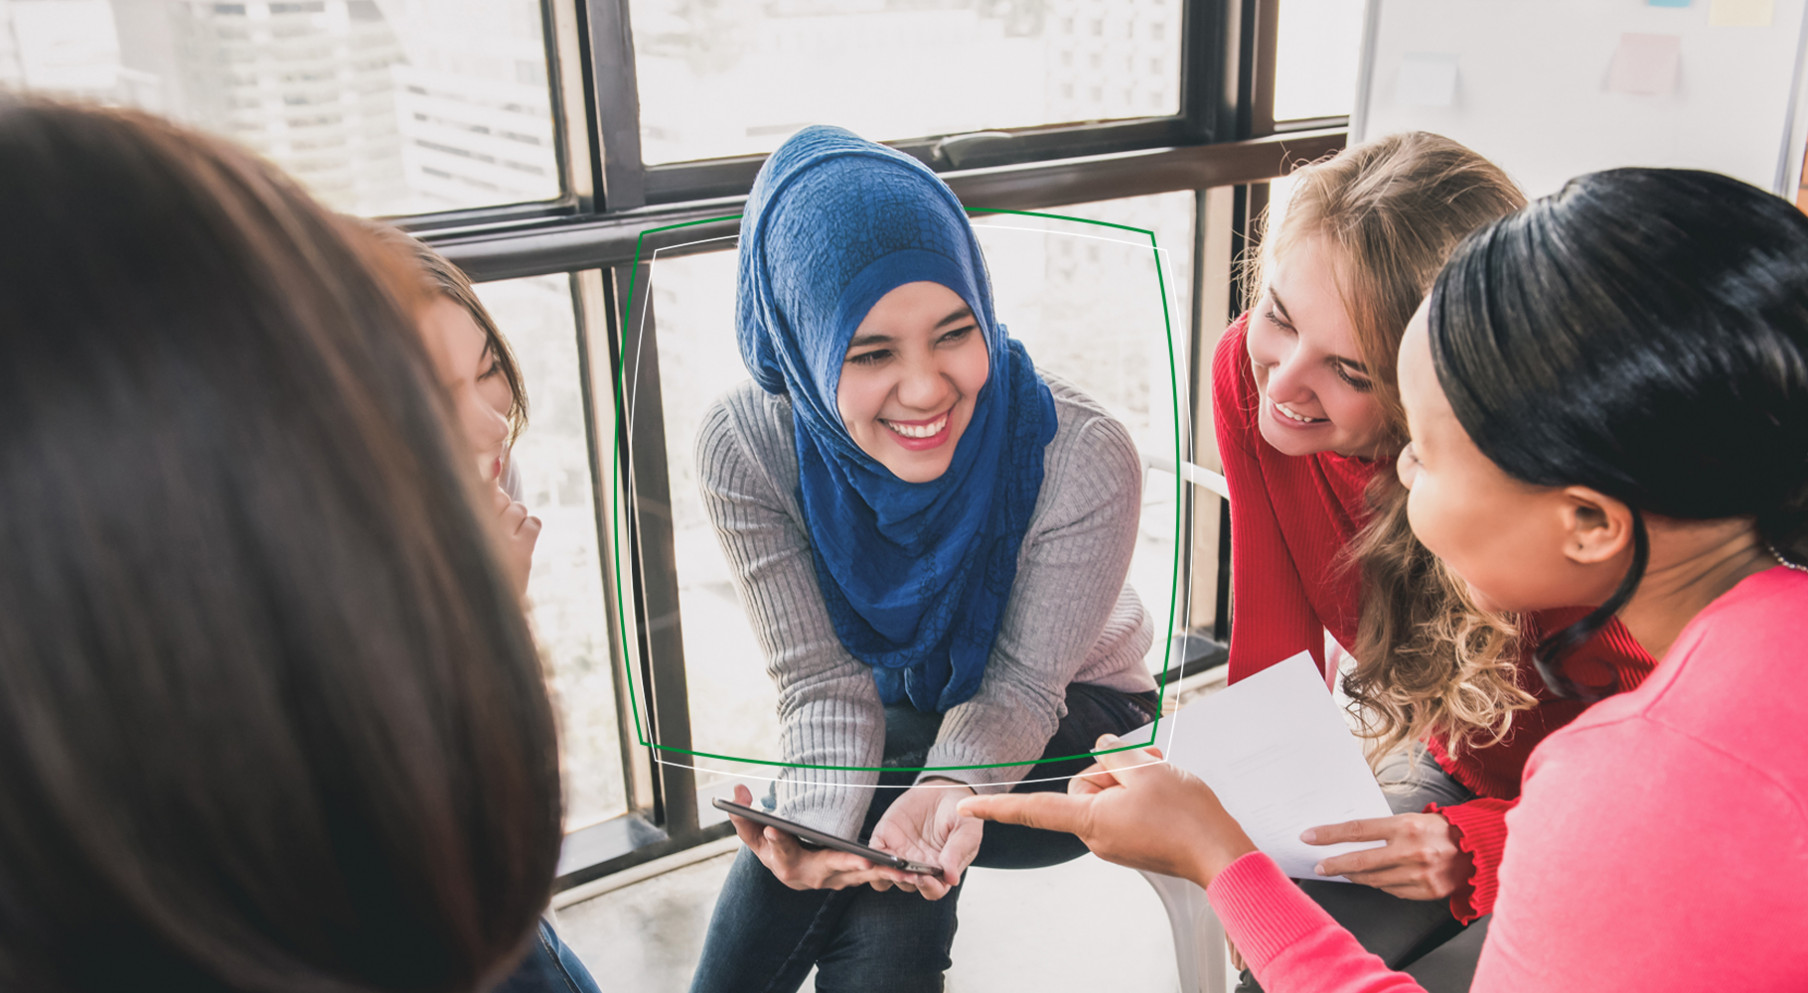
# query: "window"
1319,43
566,585
121,53
735,79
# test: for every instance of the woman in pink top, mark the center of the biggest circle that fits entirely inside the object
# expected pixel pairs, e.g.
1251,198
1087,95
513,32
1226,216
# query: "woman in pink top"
1608,398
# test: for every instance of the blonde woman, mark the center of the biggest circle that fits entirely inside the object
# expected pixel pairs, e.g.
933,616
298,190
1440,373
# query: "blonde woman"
1309,423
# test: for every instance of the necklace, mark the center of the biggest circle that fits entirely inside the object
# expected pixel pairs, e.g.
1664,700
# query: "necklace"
1785,563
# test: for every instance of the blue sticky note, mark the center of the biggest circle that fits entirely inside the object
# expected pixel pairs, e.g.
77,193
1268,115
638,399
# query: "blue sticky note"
1668,3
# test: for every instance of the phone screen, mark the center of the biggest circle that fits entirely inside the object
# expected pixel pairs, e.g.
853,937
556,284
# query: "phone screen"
822,839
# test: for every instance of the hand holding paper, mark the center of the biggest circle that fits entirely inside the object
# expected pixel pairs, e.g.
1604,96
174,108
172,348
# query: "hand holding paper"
1249,767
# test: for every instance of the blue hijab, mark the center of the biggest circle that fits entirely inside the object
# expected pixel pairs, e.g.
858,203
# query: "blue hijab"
915,575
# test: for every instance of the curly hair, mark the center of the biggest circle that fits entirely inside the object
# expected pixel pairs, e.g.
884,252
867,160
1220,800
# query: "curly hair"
1428,660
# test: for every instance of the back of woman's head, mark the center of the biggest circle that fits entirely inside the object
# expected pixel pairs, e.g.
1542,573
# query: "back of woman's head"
1393,208
1643,332
270,718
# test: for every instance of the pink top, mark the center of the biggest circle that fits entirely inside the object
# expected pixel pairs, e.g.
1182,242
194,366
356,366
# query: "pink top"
1660,844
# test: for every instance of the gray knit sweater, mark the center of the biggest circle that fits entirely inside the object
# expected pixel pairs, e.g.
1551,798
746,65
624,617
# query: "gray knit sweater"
1070,618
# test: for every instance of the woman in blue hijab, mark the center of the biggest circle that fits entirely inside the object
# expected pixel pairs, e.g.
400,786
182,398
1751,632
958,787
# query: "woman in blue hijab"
931,539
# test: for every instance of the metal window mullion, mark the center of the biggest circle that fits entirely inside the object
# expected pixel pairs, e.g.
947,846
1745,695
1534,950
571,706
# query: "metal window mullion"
599,381
612,240
568,58
1264,39
615,92
664,686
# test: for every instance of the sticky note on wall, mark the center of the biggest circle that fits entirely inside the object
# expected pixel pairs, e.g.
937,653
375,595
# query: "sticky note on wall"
1645,64
1667,3
1741,13
1426,80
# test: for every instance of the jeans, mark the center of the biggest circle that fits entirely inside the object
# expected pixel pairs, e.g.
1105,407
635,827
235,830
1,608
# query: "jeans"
1418,937
764,937
549,967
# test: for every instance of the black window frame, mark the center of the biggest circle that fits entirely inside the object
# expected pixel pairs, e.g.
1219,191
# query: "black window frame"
1223,136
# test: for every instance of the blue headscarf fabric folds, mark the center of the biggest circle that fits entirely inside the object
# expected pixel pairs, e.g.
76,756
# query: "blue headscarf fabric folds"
915,575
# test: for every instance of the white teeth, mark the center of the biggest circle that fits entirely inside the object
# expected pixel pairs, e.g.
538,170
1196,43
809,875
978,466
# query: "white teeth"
929,430
1292,415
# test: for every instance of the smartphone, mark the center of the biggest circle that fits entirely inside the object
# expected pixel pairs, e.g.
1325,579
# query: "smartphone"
809,837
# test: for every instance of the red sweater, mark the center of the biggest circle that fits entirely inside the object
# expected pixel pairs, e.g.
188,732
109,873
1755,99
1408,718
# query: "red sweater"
1291,519
1661,845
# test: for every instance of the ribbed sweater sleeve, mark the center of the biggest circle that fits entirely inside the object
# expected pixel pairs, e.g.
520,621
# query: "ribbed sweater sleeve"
1481,826
829,710
1289,942
1070,616
1070,580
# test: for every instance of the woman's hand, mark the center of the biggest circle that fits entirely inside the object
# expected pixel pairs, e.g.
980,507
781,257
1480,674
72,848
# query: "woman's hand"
807,868
1133,809
926,825
1421,860
519,531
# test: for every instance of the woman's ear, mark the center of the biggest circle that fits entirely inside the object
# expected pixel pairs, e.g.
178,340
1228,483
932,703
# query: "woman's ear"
1596,527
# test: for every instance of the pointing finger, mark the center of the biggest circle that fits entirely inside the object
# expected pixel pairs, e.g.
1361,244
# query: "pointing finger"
1049,811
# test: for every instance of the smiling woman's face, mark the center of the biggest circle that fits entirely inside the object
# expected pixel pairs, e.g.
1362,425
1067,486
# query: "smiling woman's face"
1317,395
913,369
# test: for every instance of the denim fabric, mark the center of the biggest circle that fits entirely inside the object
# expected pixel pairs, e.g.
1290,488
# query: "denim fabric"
549,967
1405,933
764,937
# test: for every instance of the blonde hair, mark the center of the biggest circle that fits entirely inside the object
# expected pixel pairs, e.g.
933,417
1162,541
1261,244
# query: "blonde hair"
1428,659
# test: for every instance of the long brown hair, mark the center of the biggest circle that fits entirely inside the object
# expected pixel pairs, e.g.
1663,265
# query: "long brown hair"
270,716
1428,660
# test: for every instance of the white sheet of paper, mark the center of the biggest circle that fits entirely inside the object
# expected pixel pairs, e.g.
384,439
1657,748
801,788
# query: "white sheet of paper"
1276,750
1426,80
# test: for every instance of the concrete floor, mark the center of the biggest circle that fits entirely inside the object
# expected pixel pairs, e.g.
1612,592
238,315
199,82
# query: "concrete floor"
1083,926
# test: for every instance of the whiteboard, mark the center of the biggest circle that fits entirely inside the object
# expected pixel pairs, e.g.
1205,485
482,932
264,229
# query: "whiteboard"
1535,85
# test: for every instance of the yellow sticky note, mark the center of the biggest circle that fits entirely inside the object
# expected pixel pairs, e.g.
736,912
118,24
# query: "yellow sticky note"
1742,13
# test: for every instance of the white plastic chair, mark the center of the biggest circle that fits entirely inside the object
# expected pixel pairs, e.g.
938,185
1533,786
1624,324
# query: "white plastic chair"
1199,948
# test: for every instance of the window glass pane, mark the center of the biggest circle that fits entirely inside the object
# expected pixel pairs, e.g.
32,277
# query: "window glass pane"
1319,45
733,704
377,106
552,458
1084,300
719,79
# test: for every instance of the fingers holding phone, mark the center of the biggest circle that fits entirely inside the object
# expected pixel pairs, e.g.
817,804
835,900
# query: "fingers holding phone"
925,825
802,868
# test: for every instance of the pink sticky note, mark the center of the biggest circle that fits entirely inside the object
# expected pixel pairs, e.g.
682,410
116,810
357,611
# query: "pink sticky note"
1646,64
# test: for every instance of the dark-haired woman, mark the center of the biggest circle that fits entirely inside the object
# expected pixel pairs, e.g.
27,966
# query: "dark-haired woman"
1608,396
1308,421
270,714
